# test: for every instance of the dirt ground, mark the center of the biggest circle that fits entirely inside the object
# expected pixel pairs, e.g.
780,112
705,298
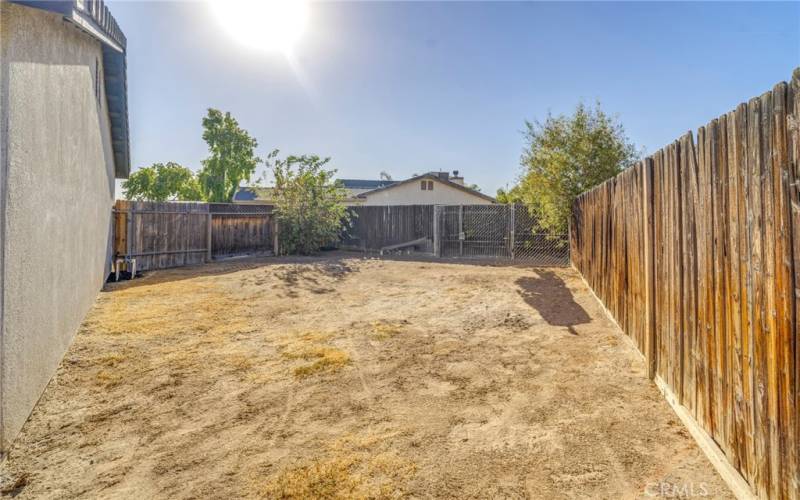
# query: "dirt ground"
341,377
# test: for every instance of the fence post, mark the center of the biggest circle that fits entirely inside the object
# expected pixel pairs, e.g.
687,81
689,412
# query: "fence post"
512,235
129,230
187,239
437,250
461,230
208,237
275,240
649,270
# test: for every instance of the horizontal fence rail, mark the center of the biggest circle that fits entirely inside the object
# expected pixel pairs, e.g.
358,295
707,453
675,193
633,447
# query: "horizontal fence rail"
160,235
695,251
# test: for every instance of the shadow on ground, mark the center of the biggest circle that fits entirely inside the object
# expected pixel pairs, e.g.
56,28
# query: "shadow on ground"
313,277
330,265
549,295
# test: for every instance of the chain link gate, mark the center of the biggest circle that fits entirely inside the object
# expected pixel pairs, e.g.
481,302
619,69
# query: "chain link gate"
496,232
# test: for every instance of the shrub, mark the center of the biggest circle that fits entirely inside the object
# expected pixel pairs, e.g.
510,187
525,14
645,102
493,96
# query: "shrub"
309,204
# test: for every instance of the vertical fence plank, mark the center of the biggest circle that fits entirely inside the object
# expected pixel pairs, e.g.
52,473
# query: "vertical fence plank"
651,350
734,321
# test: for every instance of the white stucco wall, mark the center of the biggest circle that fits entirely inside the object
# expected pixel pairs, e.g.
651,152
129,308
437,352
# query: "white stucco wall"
411,194
58,189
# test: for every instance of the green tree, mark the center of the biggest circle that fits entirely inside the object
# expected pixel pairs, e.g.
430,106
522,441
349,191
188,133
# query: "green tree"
308,203
232,159
163,182
506,195
567,155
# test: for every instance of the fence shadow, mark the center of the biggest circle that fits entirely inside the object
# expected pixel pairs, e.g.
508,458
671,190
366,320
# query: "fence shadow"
551,298
331,266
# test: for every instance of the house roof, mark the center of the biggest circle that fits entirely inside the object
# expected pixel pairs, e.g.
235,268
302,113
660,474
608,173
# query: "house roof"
258,193
94,18
358,188
252,193
365,183
436,177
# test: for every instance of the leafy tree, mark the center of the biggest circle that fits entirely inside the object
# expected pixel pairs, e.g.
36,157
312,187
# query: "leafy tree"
506,196
567,155
232,158
308,203
160,182
474,187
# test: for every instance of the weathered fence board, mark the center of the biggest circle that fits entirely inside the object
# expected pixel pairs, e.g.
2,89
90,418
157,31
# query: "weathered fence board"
375,227
719,222
160,235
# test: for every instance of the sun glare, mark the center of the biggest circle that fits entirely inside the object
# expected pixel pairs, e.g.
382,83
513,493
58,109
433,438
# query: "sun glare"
272,25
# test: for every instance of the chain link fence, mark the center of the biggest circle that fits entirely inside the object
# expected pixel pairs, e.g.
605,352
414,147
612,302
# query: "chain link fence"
496,232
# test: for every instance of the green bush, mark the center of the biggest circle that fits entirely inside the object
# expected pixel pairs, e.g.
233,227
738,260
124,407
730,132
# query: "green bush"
309,204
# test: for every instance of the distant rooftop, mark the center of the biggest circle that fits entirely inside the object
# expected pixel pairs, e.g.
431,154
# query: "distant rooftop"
252,193
365,183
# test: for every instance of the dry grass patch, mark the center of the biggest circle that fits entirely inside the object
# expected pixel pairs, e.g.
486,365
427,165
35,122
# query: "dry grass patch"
382,330
354,468
182,307
107,378
310,346
240,362
332,479
111,360
326,359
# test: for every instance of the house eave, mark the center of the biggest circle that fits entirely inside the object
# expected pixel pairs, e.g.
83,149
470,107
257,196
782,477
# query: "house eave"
93,18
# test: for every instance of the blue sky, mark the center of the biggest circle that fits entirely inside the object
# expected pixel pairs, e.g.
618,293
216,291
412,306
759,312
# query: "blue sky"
412,87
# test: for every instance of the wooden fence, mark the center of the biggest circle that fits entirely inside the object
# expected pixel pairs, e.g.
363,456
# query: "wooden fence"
695,252
171,234
375,227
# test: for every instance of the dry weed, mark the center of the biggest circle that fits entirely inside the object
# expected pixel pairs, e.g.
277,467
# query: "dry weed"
326,358
111,360
310,346
330,479
182,307
240,362
107,378
382,330
357,467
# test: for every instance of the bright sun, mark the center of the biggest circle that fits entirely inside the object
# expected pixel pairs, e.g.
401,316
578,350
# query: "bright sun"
273,25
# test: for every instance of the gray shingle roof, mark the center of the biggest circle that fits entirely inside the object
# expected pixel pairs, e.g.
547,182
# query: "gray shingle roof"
365,183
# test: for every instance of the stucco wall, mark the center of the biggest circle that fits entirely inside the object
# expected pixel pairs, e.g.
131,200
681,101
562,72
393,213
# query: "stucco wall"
411,194
58,182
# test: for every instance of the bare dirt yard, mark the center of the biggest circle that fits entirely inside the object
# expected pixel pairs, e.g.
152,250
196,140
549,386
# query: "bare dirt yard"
340,377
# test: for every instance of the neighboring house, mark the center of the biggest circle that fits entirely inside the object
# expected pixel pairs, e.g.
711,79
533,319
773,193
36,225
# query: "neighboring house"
434,188
63,141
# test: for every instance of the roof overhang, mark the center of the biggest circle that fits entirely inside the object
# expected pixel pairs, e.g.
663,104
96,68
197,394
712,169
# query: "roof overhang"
94,18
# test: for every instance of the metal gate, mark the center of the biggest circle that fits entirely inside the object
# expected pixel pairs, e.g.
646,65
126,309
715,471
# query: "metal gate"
506,232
